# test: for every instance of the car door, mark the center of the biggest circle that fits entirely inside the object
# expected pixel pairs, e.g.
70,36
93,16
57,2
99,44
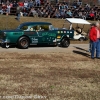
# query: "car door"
31,33
46,35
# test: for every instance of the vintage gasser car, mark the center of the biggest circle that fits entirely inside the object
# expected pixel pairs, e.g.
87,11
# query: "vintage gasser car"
35,33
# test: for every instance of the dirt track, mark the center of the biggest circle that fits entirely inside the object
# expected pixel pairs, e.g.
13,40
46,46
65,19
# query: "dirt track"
35,49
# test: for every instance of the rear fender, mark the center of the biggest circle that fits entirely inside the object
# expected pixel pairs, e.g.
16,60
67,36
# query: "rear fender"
64,36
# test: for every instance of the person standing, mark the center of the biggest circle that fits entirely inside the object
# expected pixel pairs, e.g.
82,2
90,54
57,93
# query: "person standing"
8,9
18,13
33,11
94,36
90,46
1,10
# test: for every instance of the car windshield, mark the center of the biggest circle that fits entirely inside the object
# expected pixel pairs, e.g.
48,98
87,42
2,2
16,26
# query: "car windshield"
20,26
51,27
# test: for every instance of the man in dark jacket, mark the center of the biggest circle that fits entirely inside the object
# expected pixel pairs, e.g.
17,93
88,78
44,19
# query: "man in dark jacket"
94,36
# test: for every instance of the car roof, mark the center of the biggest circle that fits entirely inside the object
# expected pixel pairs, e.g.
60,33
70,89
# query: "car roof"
36,23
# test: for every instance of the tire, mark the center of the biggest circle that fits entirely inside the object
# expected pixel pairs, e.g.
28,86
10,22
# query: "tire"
3,45
65,42
23,43
81,39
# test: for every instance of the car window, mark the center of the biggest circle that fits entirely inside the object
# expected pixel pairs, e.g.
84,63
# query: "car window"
37,27
24,28
44,27
40,27
51,27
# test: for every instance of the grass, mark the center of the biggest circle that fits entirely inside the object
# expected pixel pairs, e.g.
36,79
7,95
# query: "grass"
63,77
9,22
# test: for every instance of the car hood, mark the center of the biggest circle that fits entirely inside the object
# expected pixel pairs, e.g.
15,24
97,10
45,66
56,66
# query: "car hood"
14,30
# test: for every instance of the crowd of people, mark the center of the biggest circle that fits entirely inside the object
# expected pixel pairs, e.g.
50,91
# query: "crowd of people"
46,9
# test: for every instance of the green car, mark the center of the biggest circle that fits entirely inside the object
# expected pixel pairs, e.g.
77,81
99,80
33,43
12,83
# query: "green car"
34,33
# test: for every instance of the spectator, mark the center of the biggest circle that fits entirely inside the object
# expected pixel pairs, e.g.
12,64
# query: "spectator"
43,13
8,9
26,4
1,10
18,12
62,14
4,7
30,4
11,4
92,15
33,11
57,14
21,4
74,4
37,2
15,4
69,13
25,11
75,13
39,11
87,7
80,14
7,2
97,16
84,15
78,3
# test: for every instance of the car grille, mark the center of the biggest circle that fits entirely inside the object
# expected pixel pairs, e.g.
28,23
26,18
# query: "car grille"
1,35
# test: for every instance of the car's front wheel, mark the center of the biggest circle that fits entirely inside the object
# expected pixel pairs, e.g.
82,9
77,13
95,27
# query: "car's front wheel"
23,42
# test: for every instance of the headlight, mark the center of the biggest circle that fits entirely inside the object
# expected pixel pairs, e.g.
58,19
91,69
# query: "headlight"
4,33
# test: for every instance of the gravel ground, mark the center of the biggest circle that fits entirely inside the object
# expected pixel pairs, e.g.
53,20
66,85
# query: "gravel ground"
36,49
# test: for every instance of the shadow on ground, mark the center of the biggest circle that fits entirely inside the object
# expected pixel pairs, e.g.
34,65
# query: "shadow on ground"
81,53
81,49
31,46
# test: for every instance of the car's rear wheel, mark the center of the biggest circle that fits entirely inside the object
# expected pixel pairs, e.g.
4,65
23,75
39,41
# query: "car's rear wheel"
23,42
65,42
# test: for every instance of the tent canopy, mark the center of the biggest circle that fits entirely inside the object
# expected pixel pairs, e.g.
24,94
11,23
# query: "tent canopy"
77,21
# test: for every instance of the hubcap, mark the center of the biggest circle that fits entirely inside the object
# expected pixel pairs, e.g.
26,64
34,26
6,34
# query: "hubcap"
24,42
66,43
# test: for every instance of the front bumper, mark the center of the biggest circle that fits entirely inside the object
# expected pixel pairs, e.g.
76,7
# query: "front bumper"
4,41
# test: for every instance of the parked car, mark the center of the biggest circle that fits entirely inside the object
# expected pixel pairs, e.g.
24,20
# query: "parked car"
36,33
79,34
